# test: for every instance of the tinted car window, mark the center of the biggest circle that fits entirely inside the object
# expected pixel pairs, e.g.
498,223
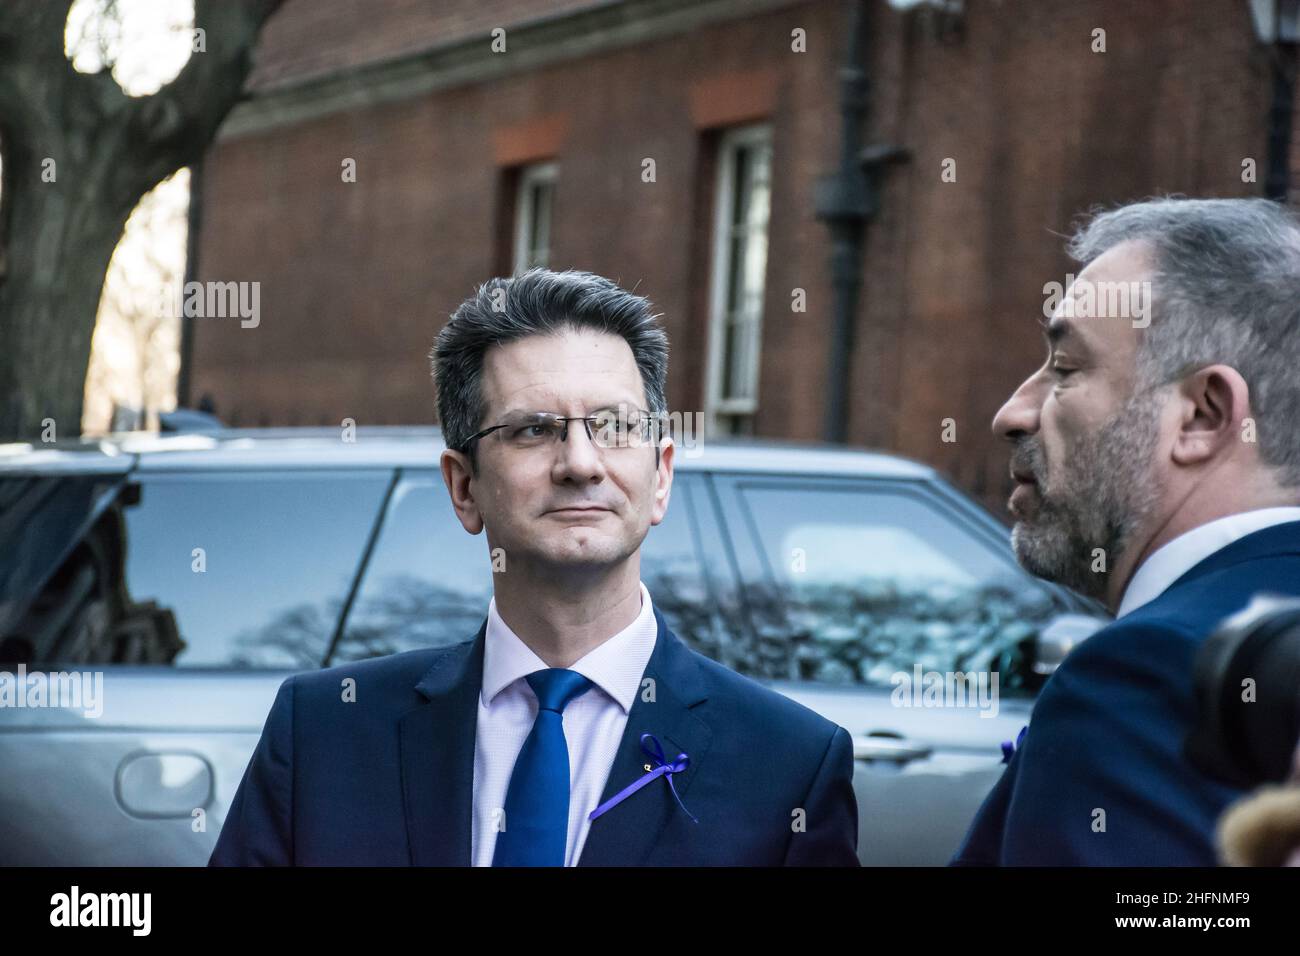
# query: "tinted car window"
672,568
851,583
254,567
429,583
47,576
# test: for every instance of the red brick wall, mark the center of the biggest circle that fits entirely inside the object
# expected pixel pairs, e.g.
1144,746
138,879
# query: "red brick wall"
308,38
358,277
1042,128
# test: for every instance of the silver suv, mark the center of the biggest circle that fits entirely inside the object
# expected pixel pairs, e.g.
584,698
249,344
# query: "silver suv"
192,573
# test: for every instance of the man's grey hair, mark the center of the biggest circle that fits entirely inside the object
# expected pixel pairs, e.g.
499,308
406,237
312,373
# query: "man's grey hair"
1225,290
538,302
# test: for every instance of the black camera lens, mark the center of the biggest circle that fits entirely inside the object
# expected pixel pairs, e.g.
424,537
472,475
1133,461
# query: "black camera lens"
1247,686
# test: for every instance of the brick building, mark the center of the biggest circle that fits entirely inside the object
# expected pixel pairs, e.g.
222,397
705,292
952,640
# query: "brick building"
471,160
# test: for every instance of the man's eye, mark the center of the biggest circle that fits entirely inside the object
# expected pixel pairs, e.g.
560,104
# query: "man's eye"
532,430
611,423
1062,372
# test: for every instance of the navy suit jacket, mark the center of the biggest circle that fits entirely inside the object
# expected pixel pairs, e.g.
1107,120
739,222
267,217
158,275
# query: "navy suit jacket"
1109,726
387,780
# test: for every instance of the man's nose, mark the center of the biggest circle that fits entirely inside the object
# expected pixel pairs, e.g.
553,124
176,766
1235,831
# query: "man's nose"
579,457
1018,417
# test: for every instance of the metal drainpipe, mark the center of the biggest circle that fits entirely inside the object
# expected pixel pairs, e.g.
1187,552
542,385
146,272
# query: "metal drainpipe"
1277,182
845,200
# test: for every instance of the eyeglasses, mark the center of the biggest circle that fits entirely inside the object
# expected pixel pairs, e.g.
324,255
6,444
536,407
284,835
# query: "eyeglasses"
619,427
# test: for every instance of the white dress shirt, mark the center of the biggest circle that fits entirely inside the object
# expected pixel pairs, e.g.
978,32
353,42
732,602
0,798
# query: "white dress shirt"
594,722
1172,560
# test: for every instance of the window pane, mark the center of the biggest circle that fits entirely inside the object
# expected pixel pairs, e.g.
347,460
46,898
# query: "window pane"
278,553
730,371
534,198
758,189
858,585
739,184
737,278
428,583
541,238
753,266
672,571
742,271
52,582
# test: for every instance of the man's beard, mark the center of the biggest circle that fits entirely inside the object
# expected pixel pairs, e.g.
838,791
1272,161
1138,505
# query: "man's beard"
1106,493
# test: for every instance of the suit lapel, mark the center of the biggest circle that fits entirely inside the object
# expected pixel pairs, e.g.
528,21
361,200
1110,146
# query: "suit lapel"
437,754
625,834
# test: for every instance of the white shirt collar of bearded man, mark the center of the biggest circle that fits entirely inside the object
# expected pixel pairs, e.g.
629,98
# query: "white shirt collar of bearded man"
1171,561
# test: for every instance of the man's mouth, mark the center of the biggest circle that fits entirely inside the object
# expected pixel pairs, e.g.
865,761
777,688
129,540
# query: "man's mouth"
1023,494
578,511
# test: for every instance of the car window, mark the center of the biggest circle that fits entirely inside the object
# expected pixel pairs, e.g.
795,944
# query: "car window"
251,568
429,582
672,568
43,524
851,583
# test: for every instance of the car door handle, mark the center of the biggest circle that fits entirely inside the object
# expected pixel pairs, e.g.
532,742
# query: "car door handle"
891,749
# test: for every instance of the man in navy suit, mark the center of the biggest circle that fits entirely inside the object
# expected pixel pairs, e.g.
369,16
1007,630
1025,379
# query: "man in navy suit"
1156,456
575,728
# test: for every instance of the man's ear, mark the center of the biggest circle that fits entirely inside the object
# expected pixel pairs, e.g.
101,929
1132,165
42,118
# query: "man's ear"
663,480
1215,400
457,474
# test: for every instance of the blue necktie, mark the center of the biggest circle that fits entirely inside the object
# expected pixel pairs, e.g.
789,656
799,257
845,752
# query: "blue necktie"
537,800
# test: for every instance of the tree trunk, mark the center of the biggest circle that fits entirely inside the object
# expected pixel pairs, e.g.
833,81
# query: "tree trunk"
108,149
62,236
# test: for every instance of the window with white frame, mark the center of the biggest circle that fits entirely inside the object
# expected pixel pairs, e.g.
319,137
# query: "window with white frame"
741,211
533,216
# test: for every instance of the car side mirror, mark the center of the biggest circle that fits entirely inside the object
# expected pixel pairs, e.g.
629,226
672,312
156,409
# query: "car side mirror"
1059,636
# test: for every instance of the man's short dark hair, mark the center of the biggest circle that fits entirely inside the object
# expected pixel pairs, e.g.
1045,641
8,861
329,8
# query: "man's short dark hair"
538,302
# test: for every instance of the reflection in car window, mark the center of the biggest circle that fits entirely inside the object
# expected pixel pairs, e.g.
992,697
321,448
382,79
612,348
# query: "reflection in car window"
428,582
857,585
254,567
57,567
673,572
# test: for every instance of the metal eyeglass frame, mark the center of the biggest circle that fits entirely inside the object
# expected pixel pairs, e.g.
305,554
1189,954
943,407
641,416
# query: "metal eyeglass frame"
564,430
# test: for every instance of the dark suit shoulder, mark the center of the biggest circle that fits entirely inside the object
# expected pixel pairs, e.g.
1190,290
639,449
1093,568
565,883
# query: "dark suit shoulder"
392,678
1195,605
1102,778
1164,635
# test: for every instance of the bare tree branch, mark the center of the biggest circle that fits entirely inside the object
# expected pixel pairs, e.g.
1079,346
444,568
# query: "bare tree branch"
177,123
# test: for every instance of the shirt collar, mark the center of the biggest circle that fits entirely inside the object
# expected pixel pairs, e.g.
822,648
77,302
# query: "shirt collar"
1172,560
616,666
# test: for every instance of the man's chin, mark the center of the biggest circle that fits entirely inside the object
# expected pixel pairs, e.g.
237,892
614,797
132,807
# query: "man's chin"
1036,549
1022,547
584,551
1052,555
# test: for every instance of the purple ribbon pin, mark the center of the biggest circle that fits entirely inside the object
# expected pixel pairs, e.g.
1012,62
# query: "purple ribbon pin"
655,751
